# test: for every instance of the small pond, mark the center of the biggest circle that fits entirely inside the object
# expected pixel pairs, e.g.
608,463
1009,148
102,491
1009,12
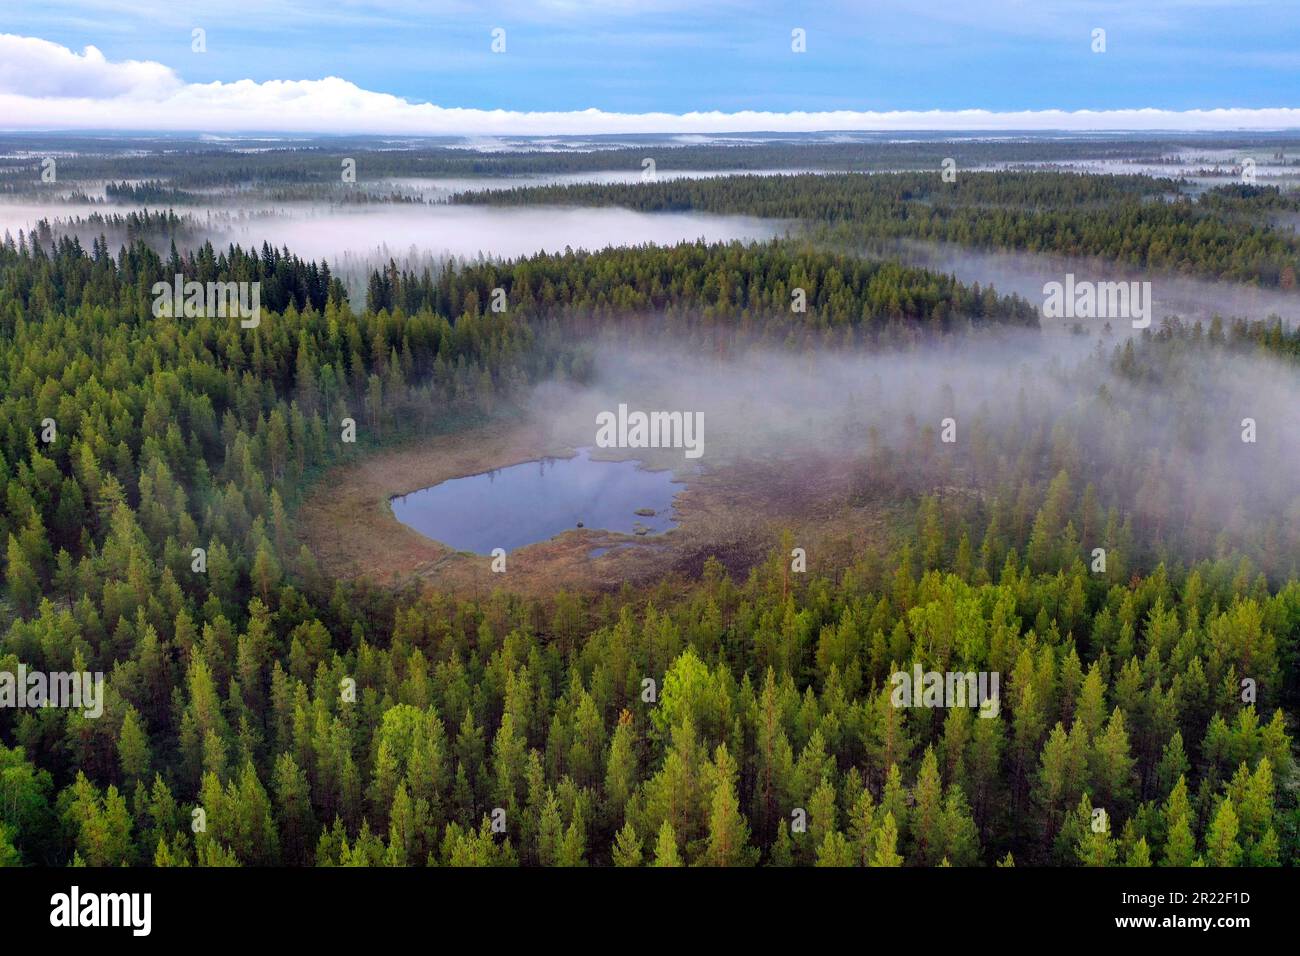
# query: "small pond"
523,504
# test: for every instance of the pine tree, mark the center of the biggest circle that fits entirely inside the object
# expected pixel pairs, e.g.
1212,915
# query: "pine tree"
926,825
627,847
835,851
728,842
573,848
133,747
1221,846
1180,844
1139,855
782,853
666,847
1094,846
886,852
23,583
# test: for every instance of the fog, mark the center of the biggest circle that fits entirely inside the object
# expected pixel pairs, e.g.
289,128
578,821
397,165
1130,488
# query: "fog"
443,187
356,238
369,234
502,232
15,216
1169,451
1025,273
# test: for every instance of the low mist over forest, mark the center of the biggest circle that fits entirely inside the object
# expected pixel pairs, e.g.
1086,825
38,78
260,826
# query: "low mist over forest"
907,467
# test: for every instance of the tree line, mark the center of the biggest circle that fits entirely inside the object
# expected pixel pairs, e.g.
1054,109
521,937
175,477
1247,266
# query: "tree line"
1136,221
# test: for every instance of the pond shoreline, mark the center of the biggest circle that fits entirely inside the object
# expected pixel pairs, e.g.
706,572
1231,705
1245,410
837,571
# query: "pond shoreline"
735,513
518,505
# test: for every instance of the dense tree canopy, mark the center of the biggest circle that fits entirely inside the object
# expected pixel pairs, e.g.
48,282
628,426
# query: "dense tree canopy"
331,723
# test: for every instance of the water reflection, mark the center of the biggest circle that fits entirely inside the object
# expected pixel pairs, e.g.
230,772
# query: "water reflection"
534,501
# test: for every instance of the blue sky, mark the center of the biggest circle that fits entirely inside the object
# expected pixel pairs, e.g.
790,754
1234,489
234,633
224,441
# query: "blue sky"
427,66
673,56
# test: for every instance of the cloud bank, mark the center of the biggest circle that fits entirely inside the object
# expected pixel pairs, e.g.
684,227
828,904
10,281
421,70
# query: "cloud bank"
45,86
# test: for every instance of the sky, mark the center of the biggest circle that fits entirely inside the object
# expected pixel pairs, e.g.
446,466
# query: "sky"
587,66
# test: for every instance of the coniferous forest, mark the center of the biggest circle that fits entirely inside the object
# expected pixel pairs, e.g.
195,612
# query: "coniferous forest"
610,437
334,721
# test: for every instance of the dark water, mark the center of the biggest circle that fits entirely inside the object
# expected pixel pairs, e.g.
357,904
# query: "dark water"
535,501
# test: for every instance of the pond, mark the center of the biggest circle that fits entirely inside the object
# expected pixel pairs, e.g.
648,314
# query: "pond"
523,504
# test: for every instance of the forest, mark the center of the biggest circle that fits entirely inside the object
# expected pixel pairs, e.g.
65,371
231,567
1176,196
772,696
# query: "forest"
188,162
1131,220
330,722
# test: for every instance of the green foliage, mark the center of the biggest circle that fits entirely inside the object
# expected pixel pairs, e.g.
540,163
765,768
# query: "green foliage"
499,730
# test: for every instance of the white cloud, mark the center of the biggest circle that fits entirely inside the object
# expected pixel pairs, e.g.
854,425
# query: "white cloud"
45,86
38,68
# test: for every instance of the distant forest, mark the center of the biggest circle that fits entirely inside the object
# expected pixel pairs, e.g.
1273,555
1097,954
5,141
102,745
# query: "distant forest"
187,164
1135,221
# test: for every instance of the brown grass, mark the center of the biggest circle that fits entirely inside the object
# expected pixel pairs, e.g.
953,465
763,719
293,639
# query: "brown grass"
734,512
